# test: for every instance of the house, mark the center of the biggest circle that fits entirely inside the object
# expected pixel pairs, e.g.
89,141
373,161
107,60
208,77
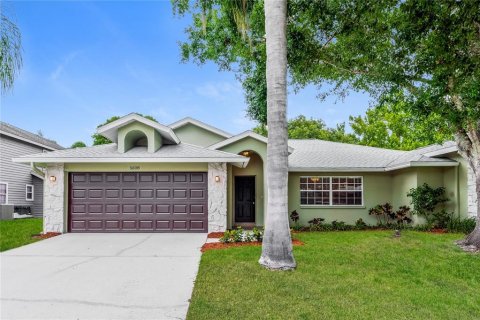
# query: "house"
21,185
192,177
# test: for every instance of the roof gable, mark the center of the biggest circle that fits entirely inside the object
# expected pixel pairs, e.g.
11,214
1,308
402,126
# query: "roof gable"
242,136
110,130
197,135
24,135
185,121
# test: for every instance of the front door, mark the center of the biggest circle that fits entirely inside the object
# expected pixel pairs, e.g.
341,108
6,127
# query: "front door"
245,199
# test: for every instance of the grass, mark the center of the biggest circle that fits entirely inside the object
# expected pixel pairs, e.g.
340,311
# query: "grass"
17,233
344,275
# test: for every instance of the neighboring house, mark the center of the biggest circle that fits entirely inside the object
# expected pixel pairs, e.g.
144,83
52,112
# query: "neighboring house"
21,185
193,177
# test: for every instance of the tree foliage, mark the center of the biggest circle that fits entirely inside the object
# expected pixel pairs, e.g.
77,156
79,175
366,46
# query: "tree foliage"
10,52
99,139
303,128
78,144
391,125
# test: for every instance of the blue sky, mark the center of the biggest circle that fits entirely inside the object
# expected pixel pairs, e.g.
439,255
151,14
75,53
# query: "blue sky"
87,61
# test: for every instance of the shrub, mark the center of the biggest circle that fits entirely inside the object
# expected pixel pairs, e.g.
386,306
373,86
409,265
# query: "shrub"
227,237
295,216
315,223
441,219
235,235
340,226
360,224
257,234
426,199
457,224
386,216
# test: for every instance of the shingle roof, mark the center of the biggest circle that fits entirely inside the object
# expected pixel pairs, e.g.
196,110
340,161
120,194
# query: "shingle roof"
30,137
109,153
319,155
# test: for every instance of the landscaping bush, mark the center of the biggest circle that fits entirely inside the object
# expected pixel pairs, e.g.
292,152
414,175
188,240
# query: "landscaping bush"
235,235
295,216
239,235
425,201
257,234
360,224
457,224
315,224
386,216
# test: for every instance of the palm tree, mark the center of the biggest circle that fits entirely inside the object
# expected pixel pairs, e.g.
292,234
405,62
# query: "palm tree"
10,52
277,244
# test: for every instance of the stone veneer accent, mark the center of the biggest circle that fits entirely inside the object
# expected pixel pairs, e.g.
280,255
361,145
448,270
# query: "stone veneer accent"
217,197
53,201
472,195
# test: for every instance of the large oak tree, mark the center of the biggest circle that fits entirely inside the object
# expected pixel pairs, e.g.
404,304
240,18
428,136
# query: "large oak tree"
427,51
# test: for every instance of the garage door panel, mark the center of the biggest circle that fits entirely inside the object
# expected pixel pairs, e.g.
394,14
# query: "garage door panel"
112,208
129,177
112,224
95,208
146,208
129,225
179,224
95,224
129,208
129,193
112,177
180,194
146,225
80,225
197,225
146,177
112,193
138,202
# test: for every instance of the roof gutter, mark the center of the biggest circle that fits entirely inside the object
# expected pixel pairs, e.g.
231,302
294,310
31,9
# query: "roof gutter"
411,164
237,160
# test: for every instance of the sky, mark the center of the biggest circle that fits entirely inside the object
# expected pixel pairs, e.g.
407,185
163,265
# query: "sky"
84,62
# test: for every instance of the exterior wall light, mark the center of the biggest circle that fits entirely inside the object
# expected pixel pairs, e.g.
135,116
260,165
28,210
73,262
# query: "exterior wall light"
217,178
53,178
246,153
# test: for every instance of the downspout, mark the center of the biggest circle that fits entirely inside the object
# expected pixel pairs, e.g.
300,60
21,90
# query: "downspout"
457,178
37,170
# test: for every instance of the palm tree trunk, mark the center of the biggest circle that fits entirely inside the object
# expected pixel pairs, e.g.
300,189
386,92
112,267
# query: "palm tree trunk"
277,245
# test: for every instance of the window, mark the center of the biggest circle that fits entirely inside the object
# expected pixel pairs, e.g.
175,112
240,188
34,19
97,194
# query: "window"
3,193
331,191
29,192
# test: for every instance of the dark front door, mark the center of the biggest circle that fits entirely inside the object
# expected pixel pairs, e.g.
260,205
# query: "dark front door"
138,202
245,199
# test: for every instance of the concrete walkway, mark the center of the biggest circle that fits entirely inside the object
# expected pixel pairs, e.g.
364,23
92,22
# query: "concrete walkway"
100,276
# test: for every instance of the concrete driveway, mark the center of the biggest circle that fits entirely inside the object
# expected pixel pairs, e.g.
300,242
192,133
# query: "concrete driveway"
101,276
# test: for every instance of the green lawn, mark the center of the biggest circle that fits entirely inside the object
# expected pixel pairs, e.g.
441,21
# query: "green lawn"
17,233
344,275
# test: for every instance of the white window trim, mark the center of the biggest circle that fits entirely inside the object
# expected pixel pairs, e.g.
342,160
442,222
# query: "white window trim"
330,205
26,192
6,191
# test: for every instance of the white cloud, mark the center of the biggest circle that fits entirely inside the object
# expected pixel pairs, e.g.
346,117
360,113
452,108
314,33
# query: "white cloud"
55,74
218,90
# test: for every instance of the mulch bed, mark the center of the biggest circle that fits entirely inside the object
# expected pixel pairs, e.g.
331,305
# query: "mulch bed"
220,245
438,231
46,235
215,235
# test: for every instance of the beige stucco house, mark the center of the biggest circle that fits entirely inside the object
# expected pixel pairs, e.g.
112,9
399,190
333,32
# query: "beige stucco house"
192,177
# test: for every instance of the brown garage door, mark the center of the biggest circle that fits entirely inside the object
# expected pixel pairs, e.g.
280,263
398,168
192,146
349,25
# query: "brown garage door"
138,202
